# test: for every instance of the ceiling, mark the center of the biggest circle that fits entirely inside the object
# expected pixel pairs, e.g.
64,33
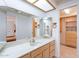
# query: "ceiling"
59,2
43,5
48,5
73,11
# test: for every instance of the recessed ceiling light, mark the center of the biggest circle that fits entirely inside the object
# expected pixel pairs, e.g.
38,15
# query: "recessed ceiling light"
67,11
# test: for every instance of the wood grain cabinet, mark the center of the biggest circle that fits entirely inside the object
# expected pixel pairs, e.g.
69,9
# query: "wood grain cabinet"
26,56
52,49
69,31
46,51
37,53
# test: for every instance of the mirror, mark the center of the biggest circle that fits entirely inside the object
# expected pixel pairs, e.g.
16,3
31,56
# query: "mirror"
46,27
11,28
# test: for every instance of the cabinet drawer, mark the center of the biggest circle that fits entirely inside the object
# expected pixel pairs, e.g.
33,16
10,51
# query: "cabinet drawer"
26,56
52,54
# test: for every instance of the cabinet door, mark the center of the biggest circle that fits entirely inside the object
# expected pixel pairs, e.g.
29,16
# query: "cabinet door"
52,49
69,32
52,54
52,46
71,38
46,53
36,53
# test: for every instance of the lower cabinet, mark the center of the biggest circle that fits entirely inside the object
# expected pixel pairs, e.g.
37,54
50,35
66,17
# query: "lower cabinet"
52,49
37,53
52,54
46,51
26,56
38,56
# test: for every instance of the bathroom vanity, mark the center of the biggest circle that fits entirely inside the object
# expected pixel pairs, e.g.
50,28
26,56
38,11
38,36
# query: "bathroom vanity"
45,51
42,48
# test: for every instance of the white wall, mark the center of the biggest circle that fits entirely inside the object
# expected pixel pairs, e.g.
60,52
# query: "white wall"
56,33
2,26
78,29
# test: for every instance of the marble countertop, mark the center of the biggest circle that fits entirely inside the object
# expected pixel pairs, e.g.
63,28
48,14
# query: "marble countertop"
20,47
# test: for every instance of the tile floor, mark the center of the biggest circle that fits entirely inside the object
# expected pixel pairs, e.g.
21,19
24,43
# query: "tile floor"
68,52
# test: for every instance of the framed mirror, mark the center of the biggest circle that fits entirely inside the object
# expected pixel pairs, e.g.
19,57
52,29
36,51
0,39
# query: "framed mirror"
46,27
11,28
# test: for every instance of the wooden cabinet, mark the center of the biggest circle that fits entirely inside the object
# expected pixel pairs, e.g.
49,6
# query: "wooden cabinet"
52,49
36,53
38,56
71,38
69,31
52,54
45,51
26,56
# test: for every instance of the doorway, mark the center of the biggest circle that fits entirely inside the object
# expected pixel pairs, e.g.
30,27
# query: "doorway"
68,32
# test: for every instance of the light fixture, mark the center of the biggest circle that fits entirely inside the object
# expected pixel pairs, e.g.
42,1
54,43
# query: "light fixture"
44,5
67,11
31,1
